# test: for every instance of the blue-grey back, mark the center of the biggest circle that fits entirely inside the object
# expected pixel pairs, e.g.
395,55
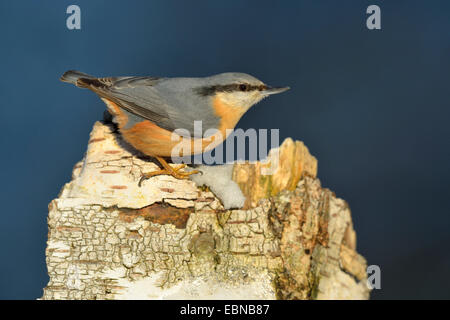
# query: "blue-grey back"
171,103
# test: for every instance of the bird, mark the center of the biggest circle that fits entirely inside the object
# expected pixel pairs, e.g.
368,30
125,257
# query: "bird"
150,110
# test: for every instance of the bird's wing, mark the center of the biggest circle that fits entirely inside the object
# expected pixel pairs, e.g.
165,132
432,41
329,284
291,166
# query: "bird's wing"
137,95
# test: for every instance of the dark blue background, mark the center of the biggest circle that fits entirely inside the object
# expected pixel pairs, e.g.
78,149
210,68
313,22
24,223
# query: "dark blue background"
372,106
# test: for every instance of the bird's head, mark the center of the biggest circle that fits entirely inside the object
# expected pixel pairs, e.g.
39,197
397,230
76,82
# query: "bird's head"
238,90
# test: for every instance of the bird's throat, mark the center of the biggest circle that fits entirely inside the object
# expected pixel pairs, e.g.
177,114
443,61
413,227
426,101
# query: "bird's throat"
229,115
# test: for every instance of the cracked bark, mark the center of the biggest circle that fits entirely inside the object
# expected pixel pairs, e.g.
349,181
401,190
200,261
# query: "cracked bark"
170,239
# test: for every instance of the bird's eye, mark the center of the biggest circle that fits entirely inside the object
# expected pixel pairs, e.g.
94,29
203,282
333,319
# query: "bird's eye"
243,87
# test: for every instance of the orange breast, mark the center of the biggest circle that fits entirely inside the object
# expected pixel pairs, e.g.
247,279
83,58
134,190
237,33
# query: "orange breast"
229,115
153,140
148,138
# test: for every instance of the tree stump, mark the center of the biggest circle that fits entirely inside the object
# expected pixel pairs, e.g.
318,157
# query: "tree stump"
172,239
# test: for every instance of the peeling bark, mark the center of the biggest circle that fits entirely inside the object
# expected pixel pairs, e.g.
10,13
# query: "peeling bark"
171,239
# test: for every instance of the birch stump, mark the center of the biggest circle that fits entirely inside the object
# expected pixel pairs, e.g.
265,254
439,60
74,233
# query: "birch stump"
172,239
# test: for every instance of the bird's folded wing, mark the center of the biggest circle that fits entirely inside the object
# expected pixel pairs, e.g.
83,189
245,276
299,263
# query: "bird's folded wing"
138,96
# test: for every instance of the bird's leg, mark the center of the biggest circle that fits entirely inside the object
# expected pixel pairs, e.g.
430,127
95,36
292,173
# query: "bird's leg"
167,169
175,172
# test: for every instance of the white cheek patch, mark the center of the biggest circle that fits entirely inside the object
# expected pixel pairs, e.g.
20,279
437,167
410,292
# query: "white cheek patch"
242,99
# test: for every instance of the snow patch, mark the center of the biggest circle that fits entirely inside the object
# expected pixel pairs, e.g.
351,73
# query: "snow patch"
219,180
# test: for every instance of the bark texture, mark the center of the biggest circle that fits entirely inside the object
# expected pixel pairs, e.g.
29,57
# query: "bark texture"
171,239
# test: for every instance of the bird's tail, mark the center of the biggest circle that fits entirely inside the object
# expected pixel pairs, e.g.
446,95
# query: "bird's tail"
77,78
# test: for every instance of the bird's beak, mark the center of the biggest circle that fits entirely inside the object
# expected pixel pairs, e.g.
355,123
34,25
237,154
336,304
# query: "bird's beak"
274,90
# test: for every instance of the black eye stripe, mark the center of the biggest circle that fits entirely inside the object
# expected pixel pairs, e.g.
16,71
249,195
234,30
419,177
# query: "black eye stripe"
242,87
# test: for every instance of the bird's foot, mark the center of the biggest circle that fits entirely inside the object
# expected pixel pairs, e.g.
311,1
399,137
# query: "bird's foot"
174,172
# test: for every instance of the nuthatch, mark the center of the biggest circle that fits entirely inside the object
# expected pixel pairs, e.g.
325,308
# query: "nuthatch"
148,109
